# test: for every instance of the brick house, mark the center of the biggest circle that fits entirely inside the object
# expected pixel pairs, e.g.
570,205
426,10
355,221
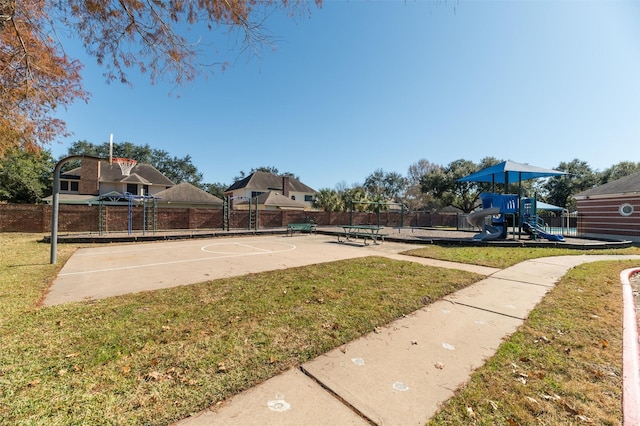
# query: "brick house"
611,210
103,181
273,192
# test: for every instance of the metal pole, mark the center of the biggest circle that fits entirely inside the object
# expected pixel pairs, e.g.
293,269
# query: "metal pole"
56,201
351,215
519,206
257,218
54,214
144,215
129,213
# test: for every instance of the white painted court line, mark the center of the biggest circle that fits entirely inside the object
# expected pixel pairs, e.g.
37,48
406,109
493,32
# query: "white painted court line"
158,245
252,247
146,265
101,251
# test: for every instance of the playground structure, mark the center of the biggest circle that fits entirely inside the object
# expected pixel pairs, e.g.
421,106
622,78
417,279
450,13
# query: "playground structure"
499,207
227,207
149,206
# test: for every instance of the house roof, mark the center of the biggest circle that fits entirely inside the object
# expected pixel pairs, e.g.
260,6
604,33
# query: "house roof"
265,181
73,199
273,199
134,178
187,193
627,185
141,173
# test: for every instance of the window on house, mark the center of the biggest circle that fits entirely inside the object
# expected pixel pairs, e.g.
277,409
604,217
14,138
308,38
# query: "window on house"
293,197
70,186
256,193
626,209
145,189
308,198
132,188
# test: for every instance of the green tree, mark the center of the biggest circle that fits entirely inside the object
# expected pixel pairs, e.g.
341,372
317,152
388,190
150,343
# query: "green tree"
26,177
329,200
560,189
383,187
617,171
177,169
444,186
216,189
356,197
413,196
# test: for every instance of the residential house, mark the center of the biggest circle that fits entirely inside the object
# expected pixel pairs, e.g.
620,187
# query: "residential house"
101,181
611,210
273,192
271,200
186,195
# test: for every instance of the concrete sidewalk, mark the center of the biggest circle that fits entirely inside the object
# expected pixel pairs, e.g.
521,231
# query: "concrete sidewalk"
399,375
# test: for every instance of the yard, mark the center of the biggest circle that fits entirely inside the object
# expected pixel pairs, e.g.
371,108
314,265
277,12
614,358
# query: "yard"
157,357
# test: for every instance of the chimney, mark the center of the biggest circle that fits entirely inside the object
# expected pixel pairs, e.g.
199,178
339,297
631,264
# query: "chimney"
89,176
285,186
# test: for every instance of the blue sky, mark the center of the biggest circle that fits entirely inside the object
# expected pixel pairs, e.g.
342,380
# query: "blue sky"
365,85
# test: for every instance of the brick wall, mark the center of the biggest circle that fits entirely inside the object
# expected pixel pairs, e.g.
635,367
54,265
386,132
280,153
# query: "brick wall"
601,217
80,218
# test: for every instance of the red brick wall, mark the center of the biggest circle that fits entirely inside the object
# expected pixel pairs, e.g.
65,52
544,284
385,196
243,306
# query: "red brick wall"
79,218
23,218
601,216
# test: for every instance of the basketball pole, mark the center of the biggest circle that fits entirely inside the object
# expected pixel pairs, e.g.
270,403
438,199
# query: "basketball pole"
56,202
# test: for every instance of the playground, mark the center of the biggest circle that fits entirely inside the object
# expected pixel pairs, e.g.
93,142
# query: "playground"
509,213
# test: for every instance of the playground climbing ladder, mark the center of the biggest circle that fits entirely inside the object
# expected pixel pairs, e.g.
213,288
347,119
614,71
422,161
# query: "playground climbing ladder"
252,222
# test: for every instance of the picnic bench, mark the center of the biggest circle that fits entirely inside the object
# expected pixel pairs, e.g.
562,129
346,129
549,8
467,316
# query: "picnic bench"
365,232
301,227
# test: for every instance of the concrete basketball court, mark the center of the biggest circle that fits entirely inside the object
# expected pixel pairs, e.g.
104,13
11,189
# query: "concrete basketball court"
105,271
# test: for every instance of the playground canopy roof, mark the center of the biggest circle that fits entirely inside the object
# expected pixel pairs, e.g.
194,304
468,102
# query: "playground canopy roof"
541,205
509,171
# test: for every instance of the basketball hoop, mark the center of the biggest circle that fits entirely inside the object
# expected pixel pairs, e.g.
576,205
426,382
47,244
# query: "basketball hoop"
126,164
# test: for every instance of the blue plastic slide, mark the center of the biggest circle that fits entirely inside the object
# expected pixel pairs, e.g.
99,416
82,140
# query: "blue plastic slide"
526,227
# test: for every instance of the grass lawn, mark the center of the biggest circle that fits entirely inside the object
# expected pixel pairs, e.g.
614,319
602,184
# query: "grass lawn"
156,357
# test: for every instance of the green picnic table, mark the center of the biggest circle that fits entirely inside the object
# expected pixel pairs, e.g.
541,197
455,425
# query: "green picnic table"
365,232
